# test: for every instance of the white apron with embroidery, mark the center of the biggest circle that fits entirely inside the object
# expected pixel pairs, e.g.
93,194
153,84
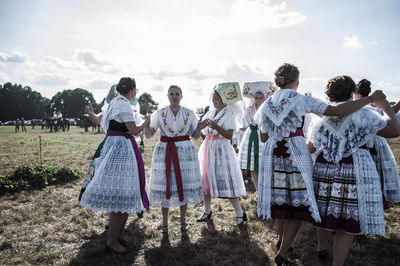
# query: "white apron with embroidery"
247,120
338,138
224,175
184,123
280,115
115,185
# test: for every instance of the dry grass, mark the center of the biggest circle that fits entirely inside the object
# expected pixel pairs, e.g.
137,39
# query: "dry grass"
49,227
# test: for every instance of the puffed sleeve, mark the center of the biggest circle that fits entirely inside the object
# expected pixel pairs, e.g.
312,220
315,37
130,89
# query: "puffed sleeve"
125,113
154,121
229,122
194,120
314,105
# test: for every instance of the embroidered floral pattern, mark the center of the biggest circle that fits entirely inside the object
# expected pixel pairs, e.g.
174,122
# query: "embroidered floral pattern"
168,127
277,110
217,120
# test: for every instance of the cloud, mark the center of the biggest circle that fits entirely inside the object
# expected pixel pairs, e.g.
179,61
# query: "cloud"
51,80
90,58
15,58
353,42
52,61
243,73
100,84
192,74
254,16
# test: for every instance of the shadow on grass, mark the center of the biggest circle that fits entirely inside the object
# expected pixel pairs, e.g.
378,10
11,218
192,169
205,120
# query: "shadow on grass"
213,248
93,251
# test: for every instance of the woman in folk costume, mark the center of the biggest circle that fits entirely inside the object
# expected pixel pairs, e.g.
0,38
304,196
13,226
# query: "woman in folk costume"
175,174
118,186
346,183
251,146
285,186
382,155
220,170
97,119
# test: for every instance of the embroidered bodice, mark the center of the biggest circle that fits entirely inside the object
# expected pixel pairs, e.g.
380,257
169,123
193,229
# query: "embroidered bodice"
248,116
184,123
224,118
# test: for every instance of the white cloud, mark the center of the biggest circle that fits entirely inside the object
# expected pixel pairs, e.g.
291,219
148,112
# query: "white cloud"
100,84
353,42
51,80
253,16
243,73
15,58
90,58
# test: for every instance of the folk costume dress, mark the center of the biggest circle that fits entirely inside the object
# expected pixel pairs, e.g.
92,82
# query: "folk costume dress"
175,174
346,183
219,166
118,184
92,165
285,187
386,166
251,145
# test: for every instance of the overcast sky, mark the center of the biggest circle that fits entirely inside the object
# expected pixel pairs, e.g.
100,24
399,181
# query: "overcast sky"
55,45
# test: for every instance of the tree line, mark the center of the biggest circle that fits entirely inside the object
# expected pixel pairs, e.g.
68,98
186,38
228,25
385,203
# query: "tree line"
18,101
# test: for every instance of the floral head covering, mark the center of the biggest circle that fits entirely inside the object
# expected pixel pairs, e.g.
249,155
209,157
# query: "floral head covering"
229,92
251,88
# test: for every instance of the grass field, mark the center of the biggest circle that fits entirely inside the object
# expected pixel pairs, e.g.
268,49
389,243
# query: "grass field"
49,227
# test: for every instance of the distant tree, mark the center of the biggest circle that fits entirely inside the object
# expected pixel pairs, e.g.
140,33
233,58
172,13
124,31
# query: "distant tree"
17,101
307,94
147,104
199,110
98,107
71,103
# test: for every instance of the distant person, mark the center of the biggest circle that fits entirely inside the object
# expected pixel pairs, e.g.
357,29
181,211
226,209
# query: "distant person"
23,122
17,122
118,186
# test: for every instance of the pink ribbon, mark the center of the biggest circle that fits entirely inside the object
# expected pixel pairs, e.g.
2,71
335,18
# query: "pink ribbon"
206,185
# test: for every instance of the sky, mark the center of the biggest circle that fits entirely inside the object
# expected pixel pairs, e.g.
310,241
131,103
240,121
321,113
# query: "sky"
67,44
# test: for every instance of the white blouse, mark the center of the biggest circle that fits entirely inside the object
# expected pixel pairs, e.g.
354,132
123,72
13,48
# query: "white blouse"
119,110
224,118
184,123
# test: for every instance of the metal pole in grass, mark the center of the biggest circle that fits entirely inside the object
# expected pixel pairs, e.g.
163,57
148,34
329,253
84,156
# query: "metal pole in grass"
40,149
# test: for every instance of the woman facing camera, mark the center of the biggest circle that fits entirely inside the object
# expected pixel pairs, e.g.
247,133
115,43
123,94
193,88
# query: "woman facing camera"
175,176
251,144
285,185
220,170
118,185
346,183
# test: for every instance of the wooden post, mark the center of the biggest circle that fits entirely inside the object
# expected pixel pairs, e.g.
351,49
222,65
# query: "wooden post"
40,149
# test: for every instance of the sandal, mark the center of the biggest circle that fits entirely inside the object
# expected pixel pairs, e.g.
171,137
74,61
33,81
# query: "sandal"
241,220
204,217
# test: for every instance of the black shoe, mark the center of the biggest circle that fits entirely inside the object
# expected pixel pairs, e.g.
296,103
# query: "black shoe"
322,254
204,217
278,246
123,242
241,220
140,214
279,260
109,249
